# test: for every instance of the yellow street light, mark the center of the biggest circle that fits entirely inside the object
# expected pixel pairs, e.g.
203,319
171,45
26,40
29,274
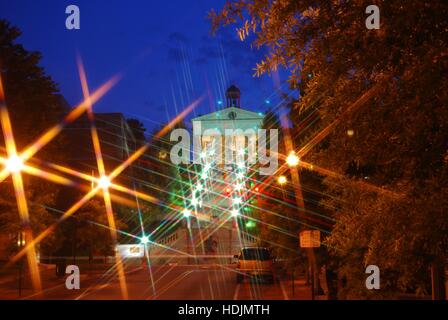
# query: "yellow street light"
162,155
21,239
292,159
282,180
14,164
104,182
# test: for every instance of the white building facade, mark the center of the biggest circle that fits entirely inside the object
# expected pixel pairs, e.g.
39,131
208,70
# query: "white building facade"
222,187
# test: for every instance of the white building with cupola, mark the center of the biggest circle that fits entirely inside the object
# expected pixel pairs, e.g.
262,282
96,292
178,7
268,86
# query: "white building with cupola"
223,197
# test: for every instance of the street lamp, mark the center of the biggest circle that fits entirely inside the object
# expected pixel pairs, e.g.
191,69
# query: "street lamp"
21,239
282,180
199,187
235,212
14,164
104,182
207,167
186,212
162,155
195,202
237,200
144,240
292,159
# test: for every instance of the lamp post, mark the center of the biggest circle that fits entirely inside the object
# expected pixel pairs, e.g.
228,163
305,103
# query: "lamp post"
292,160
20,244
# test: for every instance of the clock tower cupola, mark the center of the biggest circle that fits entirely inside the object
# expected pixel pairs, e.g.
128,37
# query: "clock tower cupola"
233,95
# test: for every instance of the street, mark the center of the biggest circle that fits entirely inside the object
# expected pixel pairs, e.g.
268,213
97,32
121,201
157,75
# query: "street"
188,282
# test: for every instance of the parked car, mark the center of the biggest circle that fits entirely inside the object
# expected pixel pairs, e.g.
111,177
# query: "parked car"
254,262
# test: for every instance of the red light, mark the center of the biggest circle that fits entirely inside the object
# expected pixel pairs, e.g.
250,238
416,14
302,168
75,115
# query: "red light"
256,189
228,190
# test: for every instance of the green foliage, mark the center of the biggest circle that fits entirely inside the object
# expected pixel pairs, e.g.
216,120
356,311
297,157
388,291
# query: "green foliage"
40,217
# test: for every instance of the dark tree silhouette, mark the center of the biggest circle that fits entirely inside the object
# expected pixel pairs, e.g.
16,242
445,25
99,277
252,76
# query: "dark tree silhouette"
34,104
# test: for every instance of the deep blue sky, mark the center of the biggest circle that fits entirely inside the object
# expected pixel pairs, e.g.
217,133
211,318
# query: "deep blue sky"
163,48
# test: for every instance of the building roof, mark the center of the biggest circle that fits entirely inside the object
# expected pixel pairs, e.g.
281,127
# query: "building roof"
230,114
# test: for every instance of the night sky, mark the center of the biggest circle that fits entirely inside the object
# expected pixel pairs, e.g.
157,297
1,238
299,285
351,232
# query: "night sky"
164,49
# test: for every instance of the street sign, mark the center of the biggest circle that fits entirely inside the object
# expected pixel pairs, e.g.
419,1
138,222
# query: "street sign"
310,239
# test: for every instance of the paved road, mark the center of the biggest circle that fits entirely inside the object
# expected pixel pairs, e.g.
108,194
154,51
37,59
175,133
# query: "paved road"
169,283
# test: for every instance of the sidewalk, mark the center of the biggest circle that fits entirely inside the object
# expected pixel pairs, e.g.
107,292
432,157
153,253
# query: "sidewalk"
298,289
9,280
12,273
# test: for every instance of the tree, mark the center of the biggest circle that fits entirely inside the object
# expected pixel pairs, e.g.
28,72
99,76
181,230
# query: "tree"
91,229
32,98
34,105
138,129
381,97
166,182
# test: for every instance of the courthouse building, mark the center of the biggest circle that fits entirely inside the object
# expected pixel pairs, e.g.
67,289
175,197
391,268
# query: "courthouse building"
221,191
